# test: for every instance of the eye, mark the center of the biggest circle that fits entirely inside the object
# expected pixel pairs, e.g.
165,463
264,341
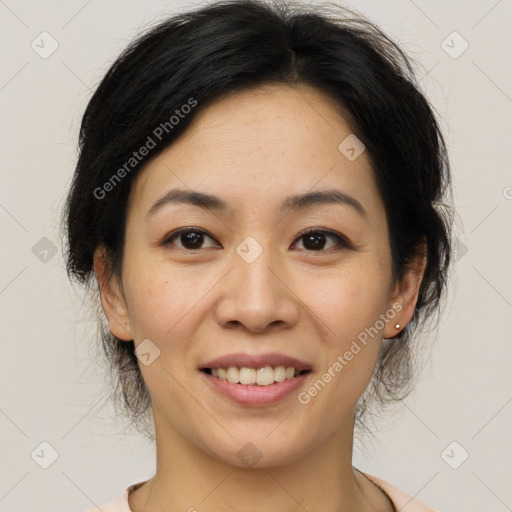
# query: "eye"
191,239
315,240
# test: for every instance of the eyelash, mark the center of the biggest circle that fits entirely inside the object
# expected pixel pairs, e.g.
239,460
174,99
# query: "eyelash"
342,241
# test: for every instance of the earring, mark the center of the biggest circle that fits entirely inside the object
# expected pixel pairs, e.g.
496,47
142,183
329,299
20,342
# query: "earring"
397,326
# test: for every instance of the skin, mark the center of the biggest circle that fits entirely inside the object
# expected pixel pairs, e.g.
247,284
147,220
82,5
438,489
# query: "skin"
252,149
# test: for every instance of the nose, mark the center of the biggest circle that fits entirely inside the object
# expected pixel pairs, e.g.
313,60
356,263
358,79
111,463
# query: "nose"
257,296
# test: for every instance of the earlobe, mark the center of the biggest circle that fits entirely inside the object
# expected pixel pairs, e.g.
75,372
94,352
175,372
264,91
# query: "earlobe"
112,300
406,293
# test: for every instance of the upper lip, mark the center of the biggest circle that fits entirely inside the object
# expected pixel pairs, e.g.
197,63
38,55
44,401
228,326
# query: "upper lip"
255,361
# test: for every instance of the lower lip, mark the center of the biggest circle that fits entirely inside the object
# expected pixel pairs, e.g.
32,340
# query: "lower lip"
254,395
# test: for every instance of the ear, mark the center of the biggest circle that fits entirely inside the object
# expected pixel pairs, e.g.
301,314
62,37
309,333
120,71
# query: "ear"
405,293
112,298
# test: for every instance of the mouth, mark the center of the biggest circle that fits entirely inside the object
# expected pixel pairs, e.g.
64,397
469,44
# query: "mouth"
255,380
263,376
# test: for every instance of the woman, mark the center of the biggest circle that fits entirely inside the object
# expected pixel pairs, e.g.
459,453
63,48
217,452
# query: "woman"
258,198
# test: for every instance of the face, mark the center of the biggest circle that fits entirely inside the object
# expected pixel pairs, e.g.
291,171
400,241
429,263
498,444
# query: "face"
258,275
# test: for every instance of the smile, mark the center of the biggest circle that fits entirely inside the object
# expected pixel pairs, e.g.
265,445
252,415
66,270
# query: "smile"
264,376
271,391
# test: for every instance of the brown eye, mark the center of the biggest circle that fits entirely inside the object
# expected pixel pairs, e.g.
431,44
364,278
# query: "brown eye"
191,239
317,239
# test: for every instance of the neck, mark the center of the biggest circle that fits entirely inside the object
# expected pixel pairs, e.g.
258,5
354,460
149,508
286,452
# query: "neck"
188,478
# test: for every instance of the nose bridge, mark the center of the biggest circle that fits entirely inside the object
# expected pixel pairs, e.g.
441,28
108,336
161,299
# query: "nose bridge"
253,262
256,296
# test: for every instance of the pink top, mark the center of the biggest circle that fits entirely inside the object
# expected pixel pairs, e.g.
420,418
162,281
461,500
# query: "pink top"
401,501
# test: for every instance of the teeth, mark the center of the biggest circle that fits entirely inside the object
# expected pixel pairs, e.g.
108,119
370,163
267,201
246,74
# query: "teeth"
247,375
279,373
233,375
260,376
265,376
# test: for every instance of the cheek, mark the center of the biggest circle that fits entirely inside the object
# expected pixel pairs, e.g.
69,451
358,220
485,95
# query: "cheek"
351,308
158,298
347,301
349,304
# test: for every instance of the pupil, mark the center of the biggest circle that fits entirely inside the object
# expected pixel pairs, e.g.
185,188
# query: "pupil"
192,240
315,243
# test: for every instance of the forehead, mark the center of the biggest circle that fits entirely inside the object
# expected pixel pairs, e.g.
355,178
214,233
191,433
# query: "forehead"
258,146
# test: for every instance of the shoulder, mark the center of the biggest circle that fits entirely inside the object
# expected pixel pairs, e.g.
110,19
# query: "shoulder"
400,500
118,504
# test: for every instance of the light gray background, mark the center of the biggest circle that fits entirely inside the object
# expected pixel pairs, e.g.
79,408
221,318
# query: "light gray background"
51,391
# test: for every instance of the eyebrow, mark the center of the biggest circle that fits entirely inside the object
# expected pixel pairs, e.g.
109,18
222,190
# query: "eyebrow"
293,202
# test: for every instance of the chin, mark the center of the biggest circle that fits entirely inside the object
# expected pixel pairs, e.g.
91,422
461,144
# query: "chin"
261,449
